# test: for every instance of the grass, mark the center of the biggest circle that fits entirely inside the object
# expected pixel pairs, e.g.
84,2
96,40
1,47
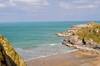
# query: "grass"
91,32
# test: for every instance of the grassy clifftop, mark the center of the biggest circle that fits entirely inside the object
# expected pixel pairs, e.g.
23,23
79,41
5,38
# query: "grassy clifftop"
90,32
85,37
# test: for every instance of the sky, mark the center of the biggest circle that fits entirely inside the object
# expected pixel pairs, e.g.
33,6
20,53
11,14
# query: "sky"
49,10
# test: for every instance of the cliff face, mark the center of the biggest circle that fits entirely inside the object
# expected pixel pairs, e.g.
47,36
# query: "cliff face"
85,37
8,56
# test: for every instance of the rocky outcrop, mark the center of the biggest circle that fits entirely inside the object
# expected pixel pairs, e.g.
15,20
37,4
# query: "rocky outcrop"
72,39
8,56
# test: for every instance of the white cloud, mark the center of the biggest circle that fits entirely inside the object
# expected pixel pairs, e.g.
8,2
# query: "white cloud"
97,2
78,5
64,5
2,5
11,2
30,2
24,3
80,1
87,6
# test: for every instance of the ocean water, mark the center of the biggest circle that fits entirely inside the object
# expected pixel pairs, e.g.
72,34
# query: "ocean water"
36,39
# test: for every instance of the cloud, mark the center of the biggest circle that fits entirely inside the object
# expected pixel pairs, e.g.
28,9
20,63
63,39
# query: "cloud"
97,2
87,6
24,3
79,4
31,2
80,1
2,5
64,5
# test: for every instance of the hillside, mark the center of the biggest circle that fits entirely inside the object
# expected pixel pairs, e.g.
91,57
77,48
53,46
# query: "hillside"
85,37
8,56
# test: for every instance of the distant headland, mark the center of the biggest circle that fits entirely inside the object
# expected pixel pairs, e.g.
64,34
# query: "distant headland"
85,37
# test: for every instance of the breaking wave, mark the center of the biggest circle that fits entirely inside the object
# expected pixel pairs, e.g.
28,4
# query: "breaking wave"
42,51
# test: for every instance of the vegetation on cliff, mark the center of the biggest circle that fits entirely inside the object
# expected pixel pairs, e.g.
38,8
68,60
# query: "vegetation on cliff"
90,32
8,56
85,37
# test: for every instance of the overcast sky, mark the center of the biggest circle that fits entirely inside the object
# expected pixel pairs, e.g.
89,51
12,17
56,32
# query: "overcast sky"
49,10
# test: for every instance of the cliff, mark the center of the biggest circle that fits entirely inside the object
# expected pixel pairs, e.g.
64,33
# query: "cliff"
85,37
8,56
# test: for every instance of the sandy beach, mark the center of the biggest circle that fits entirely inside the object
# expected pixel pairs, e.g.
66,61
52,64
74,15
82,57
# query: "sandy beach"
68,59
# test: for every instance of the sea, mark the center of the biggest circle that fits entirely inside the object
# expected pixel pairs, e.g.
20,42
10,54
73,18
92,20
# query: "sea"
34,40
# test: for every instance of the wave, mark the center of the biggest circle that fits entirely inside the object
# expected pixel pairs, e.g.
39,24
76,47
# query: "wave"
52,44
42,51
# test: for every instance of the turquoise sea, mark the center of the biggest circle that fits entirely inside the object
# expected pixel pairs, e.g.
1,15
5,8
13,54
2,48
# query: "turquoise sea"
36,39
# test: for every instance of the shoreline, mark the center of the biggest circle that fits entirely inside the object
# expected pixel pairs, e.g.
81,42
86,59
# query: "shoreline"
74,58
69,51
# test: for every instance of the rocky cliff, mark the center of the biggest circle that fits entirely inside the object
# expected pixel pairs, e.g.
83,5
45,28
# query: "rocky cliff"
85,37
8,56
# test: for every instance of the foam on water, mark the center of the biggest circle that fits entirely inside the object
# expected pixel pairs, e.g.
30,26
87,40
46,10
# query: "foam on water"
42,51
52,44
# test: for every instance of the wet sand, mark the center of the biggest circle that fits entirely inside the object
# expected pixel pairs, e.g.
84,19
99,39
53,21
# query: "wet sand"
76,58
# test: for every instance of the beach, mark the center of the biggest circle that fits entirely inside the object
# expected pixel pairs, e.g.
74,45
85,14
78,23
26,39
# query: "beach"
38,44
74,58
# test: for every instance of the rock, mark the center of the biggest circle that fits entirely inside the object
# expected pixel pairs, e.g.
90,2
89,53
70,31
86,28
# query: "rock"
72,39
